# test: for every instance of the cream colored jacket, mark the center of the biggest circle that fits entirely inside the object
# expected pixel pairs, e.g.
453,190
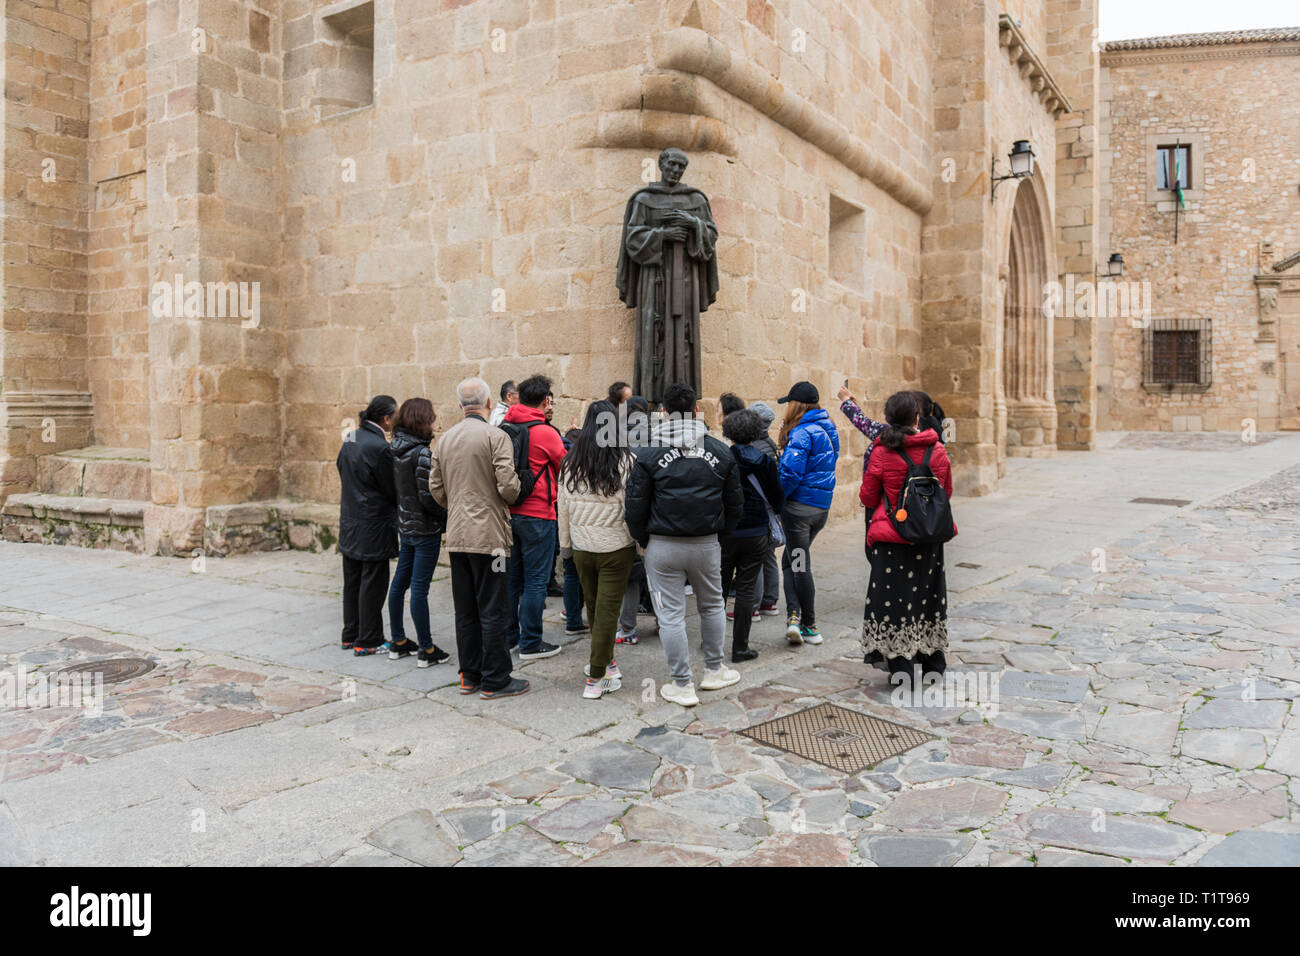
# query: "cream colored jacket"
590,522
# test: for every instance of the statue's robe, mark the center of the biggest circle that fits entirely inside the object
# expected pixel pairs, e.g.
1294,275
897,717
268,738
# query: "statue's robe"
669,284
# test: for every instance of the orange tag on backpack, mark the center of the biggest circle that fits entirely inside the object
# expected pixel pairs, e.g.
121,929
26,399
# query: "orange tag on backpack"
900,514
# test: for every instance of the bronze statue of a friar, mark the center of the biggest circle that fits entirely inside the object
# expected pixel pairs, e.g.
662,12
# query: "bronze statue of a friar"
668,272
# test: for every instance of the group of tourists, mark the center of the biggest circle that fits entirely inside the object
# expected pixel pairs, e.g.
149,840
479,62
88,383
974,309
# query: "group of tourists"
642,508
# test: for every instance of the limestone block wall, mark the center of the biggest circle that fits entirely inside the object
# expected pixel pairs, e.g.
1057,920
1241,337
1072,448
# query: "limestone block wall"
1234,104
117,317
1073,51
43,402
215,216
468,221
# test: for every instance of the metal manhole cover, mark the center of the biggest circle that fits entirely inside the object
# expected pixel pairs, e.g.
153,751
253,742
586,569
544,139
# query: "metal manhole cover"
1176,502
836,737
115,670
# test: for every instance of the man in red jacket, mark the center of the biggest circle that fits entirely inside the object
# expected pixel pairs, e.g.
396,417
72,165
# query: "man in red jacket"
533,520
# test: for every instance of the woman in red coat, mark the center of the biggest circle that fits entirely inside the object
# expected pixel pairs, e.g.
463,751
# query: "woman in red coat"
906,617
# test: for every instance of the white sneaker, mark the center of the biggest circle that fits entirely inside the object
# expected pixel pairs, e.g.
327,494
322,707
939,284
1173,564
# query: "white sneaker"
595,689
724,676
689,590
681,695
611,670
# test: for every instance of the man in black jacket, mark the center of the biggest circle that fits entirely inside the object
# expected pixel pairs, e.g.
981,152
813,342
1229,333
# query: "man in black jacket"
683,491
367,525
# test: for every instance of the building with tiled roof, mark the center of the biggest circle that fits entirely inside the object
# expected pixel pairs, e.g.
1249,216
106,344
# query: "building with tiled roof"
1216,38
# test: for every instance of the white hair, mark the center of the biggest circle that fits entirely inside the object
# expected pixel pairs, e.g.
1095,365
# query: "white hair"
474,392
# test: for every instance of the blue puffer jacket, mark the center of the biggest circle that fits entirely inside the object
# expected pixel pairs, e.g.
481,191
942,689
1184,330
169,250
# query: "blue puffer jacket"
808,461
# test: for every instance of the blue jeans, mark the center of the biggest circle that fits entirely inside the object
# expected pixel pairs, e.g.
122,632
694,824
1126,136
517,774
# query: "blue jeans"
416,562
573,603
531,561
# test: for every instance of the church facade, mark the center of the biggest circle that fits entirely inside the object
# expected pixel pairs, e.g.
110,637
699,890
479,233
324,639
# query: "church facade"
228,224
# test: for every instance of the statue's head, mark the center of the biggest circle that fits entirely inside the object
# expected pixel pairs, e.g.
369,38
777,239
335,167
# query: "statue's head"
672,164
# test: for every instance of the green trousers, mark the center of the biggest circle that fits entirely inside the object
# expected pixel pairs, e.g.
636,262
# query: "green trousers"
604,577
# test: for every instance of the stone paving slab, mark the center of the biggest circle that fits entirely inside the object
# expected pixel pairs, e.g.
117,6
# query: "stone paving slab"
416,836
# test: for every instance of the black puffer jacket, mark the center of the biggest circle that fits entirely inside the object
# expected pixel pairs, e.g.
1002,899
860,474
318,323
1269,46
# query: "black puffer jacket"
417,512
684,484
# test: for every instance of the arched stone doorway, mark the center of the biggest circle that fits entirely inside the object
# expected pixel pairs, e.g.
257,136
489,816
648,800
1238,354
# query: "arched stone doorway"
1024,407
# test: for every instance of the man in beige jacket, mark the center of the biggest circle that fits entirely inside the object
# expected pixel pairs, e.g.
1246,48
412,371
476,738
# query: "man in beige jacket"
472,474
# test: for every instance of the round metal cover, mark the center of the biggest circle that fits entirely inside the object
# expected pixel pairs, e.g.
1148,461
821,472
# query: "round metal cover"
115,669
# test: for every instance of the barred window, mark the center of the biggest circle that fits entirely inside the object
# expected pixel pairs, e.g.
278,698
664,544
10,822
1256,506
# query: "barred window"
1176,355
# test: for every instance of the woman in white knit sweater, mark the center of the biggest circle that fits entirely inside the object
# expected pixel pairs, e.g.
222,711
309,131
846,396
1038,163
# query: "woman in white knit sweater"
591,525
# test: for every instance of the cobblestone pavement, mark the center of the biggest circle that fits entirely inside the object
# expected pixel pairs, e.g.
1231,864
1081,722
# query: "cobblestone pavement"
1145,656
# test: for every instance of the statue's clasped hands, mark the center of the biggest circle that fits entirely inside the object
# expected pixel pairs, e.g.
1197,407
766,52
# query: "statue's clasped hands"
678,225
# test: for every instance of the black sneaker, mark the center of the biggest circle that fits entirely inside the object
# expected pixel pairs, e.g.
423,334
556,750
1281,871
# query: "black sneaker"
574,631
875,659
434,655
740,655
404,648
554,590
543,650
513,689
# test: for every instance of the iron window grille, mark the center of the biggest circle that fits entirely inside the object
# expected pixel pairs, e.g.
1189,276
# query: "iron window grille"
1177,355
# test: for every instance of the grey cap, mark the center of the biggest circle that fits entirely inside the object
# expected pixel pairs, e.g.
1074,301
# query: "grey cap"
764,411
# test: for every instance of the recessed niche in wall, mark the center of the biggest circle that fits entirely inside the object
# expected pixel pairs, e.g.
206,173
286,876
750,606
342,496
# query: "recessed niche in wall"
347,76
848,245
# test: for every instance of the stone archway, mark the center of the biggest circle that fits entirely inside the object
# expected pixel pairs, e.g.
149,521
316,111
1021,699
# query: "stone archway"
1025,387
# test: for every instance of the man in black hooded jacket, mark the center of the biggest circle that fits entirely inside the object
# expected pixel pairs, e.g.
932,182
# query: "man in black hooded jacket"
683,491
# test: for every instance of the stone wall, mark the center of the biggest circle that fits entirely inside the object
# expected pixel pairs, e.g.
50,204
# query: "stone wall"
1234,104
117,317
468,222
215,216
44,405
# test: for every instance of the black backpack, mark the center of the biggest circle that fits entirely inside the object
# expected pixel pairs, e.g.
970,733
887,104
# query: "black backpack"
923,514
518,432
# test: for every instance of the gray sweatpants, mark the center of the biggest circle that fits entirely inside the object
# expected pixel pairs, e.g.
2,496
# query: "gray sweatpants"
669,564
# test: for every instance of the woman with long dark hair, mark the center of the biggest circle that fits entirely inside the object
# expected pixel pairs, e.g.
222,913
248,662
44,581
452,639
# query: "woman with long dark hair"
420,522
810,447
367,525
906,615
592,528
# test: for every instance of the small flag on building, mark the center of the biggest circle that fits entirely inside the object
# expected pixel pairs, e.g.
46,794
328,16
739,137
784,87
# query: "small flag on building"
1177,179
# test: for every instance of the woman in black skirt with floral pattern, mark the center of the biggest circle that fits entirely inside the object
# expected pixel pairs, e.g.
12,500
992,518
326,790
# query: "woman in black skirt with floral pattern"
906,616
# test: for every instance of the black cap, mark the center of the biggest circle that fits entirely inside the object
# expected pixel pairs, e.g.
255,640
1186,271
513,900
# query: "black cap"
805,392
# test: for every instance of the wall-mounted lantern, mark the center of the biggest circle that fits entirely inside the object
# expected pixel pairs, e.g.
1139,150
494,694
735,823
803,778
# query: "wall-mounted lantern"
1021,159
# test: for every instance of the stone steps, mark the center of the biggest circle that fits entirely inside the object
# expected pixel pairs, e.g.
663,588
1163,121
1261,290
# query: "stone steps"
89,522
95,472
98,497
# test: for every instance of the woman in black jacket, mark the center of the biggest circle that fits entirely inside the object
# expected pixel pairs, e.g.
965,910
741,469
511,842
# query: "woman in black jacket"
744,549
421,521
367,525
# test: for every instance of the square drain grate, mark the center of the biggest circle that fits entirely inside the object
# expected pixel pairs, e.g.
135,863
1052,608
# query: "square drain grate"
838,738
